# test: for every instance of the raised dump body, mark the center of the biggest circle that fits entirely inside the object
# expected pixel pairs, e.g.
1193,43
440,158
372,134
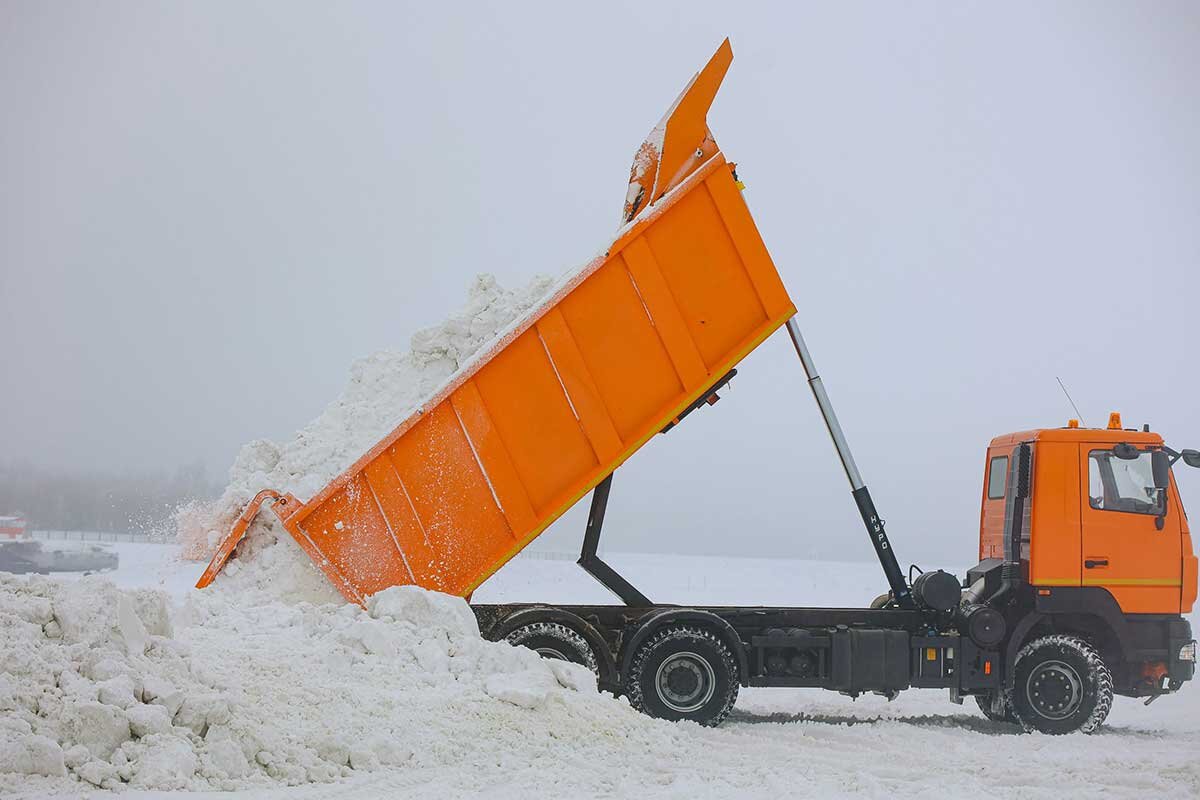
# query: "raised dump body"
624,348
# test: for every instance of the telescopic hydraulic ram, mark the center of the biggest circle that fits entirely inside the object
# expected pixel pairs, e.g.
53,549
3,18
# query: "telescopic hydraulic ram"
862,495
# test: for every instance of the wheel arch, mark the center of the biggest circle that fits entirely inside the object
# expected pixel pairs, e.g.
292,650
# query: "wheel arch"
1090,612
656,621
1022,632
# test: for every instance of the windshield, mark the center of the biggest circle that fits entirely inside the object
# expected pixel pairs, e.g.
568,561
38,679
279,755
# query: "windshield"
1116,484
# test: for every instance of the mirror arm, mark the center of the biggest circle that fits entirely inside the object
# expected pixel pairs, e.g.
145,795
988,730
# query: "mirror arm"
1172,454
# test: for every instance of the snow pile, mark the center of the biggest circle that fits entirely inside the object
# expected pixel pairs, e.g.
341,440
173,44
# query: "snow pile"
90,682
385,388
96,686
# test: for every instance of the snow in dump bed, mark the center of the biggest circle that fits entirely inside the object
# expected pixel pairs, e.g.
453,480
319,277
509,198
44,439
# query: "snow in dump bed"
384,389
100,686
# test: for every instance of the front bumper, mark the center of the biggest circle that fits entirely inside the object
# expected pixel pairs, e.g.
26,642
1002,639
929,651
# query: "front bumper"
1181,664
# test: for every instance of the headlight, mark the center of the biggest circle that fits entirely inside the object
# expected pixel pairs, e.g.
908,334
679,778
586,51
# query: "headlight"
1188,652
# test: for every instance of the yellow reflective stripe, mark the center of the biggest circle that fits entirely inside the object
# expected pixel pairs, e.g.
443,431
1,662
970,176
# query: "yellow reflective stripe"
1108,582
1132,582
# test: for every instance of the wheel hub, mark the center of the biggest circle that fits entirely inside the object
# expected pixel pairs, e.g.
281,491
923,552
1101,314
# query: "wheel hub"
1055,690
685,682
550,652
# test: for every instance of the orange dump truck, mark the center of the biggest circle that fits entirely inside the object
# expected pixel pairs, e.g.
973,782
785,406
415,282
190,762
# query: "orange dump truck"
1086,563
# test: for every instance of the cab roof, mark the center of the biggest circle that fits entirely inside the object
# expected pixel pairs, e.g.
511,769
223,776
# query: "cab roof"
1082,435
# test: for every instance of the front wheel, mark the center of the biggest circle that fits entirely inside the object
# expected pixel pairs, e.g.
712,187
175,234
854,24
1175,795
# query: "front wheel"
1061,685
683,672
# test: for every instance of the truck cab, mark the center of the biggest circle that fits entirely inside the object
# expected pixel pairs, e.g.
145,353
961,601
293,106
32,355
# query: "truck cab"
1103,546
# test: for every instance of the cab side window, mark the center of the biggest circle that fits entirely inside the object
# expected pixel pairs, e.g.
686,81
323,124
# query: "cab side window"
1116,484
997,477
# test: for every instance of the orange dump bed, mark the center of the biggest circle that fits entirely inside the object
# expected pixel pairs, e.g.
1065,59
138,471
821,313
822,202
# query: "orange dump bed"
612,358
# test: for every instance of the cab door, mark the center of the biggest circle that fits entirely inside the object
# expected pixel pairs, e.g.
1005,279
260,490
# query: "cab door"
1124,549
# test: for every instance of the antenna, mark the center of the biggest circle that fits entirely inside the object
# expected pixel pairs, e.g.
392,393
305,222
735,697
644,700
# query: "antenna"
1069,400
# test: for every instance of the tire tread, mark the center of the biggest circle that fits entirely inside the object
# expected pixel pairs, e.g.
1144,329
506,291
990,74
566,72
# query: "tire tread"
633,687
560,632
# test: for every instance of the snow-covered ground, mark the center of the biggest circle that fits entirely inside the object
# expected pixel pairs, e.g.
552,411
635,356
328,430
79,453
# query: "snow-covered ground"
777,743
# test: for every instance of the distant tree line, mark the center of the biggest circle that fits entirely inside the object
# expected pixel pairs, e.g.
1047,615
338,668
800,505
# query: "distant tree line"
79,500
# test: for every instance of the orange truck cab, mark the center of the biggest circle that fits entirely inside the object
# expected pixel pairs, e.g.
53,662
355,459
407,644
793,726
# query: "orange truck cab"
1091,526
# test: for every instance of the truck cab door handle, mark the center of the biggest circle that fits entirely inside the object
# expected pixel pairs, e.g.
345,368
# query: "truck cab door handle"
1092,563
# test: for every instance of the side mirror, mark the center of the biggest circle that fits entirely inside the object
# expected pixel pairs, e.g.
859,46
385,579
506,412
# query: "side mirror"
1191,457
1126,451
1160,464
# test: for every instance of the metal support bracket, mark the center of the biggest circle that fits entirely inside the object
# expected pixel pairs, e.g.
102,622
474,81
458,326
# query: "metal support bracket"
593,564
707,399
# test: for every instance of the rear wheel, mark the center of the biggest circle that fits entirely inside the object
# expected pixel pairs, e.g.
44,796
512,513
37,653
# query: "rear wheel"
683,672
554,640
1061,685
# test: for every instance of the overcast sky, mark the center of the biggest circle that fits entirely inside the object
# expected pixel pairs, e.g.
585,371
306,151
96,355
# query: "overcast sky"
208,210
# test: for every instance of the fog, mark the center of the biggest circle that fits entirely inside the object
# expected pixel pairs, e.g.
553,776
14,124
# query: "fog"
208,210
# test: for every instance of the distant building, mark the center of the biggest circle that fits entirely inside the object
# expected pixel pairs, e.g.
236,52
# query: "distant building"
12,527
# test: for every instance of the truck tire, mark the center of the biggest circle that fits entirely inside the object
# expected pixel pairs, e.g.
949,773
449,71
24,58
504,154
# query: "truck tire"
554,640
1061,685
986,705
683,672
